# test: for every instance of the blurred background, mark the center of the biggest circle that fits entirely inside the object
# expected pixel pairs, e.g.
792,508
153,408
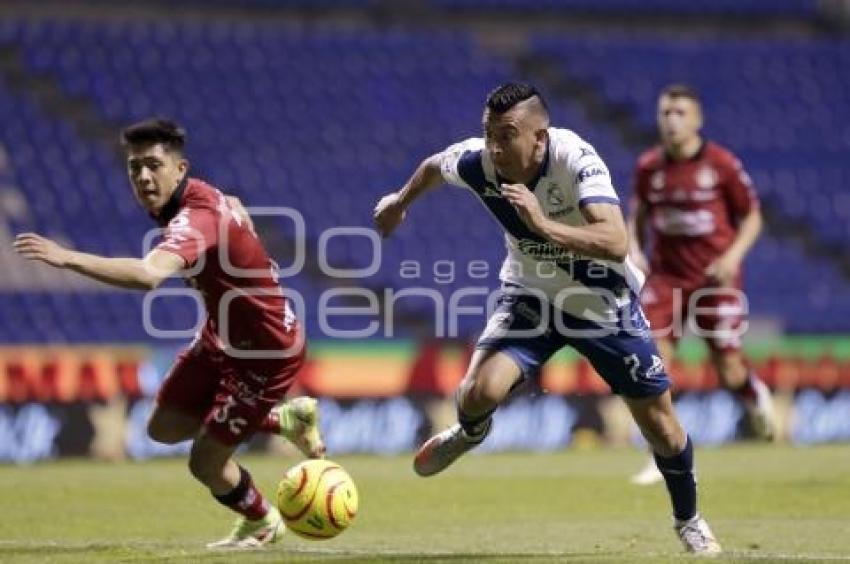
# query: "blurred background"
325,105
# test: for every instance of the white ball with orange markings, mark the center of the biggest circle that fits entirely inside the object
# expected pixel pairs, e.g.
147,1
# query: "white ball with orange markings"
318,499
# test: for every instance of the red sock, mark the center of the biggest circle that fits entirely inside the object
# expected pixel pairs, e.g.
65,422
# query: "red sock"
245,498
271,424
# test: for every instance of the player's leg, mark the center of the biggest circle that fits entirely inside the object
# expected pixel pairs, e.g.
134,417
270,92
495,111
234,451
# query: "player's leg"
516,342
629,362
720,321
489,379
755,396
248,390
650,474
183,399
663,304
211,463
674,457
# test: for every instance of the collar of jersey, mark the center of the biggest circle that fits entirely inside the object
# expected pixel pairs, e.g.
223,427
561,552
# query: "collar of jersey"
695,157
170,209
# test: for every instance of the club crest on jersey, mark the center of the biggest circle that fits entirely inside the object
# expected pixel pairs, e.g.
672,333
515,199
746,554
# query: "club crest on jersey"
706,178
657,180
554,195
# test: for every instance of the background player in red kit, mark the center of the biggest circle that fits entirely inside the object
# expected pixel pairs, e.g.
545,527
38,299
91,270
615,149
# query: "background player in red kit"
698,204
214,394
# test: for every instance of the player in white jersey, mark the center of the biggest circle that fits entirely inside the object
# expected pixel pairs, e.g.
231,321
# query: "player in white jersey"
566,281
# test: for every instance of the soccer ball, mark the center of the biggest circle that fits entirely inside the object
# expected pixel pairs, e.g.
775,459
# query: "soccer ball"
317,499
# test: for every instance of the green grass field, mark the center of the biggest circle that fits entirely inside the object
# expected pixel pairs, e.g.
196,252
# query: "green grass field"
765,503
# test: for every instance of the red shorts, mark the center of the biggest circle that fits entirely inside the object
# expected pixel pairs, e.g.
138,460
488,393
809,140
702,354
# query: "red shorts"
231,396
716,314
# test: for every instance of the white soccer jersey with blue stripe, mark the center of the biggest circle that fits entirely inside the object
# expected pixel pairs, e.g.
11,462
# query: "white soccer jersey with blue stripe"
573,175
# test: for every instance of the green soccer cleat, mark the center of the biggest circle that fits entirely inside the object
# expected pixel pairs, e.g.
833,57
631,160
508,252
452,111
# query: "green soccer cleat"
253,534
299,424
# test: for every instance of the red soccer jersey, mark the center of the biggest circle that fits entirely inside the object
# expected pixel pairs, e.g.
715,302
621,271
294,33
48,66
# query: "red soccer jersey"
693,208
229,266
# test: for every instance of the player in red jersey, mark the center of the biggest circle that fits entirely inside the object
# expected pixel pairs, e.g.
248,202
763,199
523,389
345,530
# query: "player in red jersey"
698,205
225,386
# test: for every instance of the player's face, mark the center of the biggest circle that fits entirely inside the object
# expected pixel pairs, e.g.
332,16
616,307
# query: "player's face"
679,120
512,140
154,173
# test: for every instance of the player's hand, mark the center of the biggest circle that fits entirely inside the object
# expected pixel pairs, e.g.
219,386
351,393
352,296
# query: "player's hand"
724,271
526,204
388,214
33,246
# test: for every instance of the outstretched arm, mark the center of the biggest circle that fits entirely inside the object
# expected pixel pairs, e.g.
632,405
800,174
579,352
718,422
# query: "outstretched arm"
604,236
392,208
140,274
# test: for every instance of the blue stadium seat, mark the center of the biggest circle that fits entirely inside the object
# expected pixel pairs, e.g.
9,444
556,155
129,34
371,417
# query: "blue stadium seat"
327,120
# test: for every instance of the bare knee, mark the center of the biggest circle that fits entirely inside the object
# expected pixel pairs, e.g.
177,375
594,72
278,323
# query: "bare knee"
162,433
488,382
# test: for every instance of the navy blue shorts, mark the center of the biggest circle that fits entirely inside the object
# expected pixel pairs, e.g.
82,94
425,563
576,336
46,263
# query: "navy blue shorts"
525,328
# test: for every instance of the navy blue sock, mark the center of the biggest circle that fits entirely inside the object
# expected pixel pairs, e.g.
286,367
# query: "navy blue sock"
678,472
475,427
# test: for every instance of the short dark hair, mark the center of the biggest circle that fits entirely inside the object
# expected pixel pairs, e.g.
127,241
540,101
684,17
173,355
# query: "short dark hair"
681,91
153,131
508,95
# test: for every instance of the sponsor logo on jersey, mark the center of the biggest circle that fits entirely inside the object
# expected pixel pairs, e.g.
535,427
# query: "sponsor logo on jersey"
589,172
673,221
703,195
544,250
586,152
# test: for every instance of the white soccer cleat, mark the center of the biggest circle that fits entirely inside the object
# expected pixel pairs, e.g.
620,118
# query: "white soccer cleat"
442,449
253,534
649,475
760,412
697,537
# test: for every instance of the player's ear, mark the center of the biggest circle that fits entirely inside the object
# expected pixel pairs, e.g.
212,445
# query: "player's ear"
541,137
699,117
183,165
